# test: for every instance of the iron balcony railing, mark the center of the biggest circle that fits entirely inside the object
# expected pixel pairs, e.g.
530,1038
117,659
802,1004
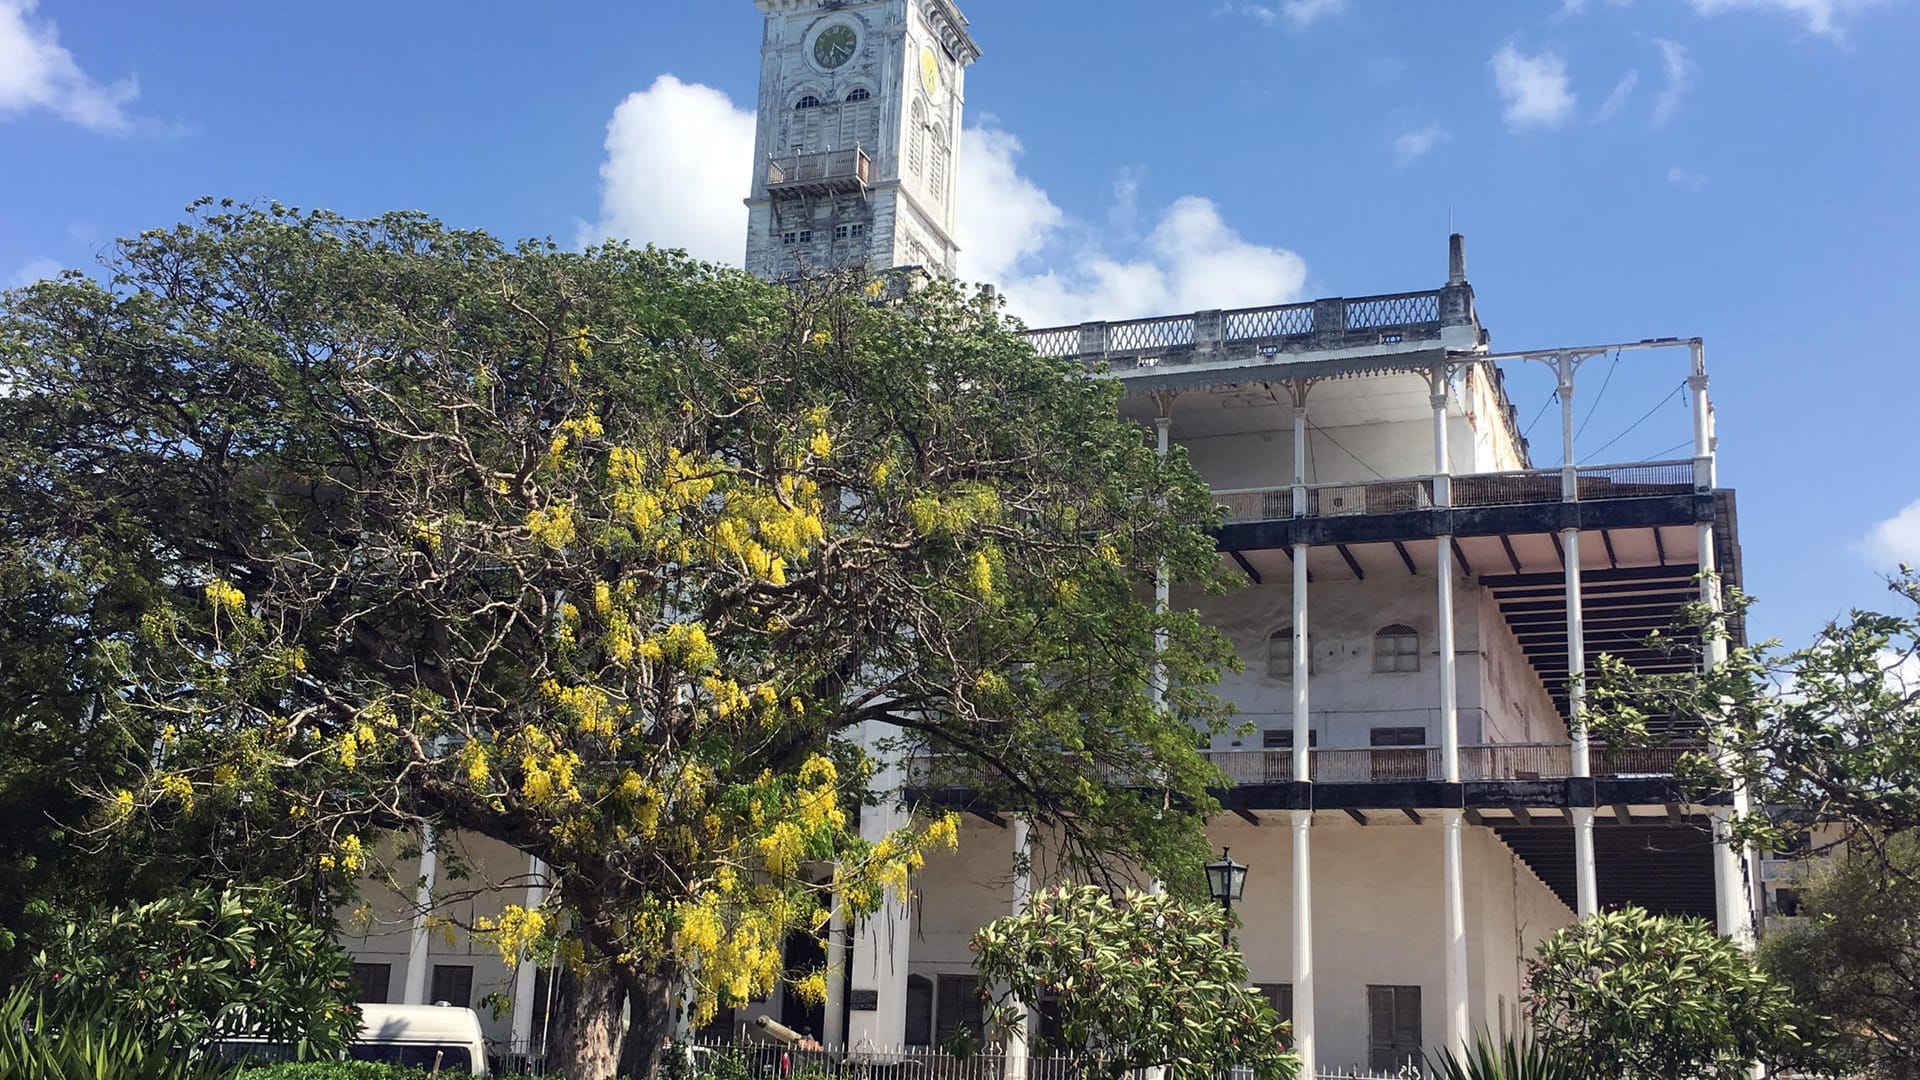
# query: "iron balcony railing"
1596,483
828,169
1391,319
1487,761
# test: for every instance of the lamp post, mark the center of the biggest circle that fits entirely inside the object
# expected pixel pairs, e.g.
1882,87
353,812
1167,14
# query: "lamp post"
1227,881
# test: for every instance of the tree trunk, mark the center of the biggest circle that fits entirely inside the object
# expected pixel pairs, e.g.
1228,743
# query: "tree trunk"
587,1033
651,1009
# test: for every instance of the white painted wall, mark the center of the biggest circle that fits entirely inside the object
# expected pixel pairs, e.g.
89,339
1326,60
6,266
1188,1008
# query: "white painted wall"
1518,707
487,863
1377,910
1346,696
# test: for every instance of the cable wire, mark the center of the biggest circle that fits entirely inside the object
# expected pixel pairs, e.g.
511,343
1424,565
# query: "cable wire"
1682,385
1378,475
1595,407
1551,398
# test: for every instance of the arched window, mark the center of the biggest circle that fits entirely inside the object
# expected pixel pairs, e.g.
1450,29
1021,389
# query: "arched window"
1280,653
937,179
1396,648
808,102
917,143
858,93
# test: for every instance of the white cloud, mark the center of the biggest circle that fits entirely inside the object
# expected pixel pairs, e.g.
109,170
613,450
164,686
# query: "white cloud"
676,172
1414,144
33,270
1823,17
1298,14
1685,179
1535,88
1895,540
37,72
1005,219
1679,69
1617,100
1052,269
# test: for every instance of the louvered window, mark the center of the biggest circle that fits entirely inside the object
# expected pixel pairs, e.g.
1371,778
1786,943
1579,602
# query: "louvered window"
917,141
1393,1027
937,183
958,1009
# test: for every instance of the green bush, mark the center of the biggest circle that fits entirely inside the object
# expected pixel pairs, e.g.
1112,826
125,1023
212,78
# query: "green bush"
34,1045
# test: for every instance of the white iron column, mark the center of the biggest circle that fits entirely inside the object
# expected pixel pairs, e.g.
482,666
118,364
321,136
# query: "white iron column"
415,992
834,1029
1586,878
1303,1035
881,940
526,973
1733,900
1162,596
1443,572
1303,1040
1162,585
1302,666
1456,932
1453,872
1021,1029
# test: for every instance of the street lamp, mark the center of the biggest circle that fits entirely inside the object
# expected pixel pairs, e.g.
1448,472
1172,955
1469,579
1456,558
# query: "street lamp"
1226,880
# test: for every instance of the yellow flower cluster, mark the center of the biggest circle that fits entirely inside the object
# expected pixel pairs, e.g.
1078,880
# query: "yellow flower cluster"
222,595
686,644
588,707
348,856
965,506
122,804
428,532
980,574
782,848
477,765
812,989
550,781
552,526
514,931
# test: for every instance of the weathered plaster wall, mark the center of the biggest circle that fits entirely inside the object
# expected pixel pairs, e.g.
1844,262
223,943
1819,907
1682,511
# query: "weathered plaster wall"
1518,707
1345,695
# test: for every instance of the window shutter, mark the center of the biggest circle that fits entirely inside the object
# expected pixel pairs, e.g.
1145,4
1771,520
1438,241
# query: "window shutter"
958,1007
919,1011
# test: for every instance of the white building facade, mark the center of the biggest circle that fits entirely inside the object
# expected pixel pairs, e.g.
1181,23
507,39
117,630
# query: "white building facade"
1419,602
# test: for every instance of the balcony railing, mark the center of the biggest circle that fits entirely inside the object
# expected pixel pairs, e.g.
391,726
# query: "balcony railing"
1596,483
825,171
1489,761
1335,323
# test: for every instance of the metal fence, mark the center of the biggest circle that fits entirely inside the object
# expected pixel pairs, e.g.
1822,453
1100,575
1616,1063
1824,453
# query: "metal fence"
1478,762
862,1062
1596,483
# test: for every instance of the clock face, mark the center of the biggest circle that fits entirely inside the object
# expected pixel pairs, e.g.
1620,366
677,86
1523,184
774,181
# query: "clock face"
834,46
929,71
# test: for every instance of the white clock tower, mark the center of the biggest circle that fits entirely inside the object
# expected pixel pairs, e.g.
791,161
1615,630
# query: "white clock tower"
859,135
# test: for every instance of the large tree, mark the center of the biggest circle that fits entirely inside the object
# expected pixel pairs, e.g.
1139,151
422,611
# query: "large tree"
1853,955
1825,738
621,559
1829,732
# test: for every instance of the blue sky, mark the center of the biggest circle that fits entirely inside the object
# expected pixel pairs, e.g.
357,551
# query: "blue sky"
1741,170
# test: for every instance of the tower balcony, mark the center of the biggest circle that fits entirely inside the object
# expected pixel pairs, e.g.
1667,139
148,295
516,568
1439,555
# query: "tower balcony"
830,172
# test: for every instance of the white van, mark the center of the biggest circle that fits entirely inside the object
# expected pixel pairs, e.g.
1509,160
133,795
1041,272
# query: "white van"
437,1038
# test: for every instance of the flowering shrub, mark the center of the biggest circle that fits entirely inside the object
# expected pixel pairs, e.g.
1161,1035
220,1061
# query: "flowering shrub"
1140,980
